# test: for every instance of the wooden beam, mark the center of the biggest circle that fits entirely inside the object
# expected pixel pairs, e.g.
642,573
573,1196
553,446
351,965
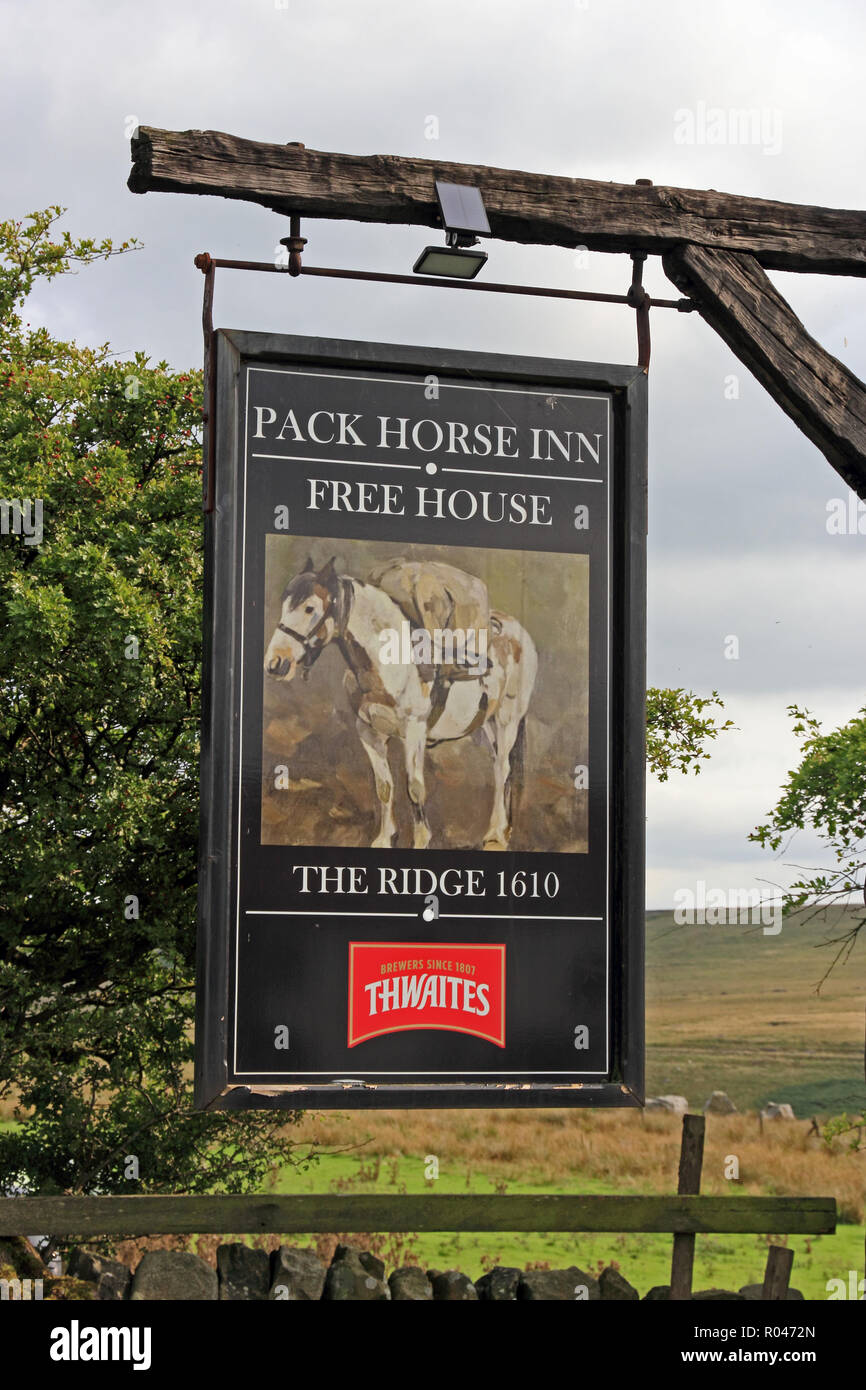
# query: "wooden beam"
777,1275
137,1216
820,394
689,1182
714,245
524,207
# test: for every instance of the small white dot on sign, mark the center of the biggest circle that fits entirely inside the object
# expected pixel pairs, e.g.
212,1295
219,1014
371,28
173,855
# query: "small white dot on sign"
431,467
427,914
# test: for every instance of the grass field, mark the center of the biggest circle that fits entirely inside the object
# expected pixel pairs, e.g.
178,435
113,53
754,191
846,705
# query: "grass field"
727,1009
494,1150
577,1151
731,1009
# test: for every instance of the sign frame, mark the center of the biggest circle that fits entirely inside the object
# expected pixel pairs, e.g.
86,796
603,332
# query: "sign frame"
627,386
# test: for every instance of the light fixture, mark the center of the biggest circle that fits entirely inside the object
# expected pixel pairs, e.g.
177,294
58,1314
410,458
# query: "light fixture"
462,214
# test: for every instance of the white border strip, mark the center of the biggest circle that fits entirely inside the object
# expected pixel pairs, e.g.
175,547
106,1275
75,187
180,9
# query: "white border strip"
401,381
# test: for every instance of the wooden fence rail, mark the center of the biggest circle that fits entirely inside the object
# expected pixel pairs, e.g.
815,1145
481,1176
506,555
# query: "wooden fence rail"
311,1214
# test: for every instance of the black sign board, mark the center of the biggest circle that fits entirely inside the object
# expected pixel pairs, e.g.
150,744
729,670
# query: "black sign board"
423,748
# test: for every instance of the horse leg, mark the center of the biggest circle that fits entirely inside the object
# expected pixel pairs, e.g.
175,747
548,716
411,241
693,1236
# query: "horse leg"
415,744
502,741
376,748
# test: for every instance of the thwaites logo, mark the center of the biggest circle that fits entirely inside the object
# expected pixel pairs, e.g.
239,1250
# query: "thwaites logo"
395,986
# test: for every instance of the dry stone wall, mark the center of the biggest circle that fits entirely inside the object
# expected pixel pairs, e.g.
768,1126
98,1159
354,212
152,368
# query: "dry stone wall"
291,1274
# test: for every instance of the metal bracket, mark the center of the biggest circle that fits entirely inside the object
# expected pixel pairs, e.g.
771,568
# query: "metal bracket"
295,244
640,301
636,298
205,263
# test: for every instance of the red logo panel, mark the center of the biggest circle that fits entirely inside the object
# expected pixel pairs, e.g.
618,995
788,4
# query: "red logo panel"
395,986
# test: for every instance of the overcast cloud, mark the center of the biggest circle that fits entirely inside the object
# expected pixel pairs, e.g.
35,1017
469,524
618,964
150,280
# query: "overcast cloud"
738,541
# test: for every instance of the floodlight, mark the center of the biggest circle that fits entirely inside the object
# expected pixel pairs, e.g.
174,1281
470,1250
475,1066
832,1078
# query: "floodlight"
461,210
449,260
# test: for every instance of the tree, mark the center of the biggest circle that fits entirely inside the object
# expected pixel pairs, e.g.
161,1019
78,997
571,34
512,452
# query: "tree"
99,673
99,726
826,793
679,729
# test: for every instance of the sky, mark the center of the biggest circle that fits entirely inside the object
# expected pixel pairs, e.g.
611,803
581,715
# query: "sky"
607,89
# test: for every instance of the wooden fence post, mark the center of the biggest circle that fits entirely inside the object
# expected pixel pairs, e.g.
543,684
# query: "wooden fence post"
777,1273
689,1184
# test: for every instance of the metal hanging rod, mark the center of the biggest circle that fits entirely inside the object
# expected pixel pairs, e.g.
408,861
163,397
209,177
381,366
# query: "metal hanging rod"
204,261
636,298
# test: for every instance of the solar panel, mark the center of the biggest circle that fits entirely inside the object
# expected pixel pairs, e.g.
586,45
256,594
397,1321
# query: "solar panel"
462,209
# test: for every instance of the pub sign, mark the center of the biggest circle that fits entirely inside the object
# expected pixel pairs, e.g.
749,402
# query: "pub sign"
423,741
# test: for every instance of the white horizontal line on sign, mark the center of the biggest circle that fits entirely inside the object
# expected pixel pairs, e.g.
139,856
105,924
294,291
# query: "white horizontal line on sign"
349,463
505,1085
533,477
486,387
292,912
514,917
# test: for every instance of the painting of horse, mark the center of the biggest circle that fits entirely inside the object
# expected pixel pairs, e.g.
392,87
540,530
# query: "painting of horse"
413,700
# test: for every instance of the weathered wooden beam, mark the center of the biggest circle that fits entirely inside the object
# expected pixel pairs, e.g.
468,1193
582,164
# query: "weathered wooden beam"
689,1182
526,207
821,395
777,1275
306,1214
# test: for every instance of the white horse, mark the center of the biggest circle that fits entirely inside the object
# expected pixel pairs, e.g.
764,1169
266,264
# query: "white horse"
393,700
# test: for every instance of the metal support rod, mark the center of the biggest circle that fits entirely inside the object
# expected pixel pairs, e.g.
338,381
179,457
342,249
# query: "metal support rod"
683,306
640,300
207,265
636,298
295,244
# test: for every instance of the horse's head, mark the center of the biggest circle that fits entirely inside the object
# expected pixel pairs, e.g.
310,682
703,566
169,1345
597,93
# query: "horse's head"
309,618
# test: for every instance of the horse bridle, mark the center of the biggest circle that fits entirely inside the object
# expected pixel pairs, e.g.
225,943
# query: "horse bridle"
312,650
